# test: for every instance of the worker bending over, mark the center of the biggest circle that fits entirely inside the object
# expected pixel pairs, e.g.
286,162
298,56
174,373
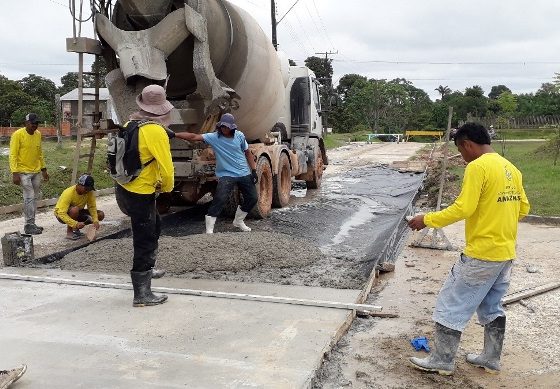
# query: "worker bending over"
492,201
235,165
71,208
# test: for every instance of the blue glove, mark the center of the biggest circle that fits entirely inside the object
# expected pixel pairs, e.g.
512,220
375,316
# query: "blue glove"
420,343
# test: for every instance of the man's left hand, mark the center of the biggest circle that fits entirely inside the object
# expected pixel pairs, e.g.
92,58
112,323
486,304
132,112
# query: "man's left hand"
96,225
417,223
45,175
254,176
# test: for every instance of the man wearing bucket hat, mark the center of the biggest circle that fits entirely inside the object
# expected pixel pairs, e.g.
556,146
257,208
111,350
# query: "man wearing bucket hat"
137,198
70,209
27,166
235,165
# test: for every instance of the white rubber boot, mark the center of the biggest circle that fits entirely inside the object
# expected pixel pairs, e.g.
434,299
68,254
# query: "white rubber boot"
239,220
210,221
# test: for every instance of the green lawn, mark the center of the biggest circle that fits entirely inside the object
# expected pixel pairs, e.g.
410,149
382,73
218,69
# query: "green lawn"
541,178
56,159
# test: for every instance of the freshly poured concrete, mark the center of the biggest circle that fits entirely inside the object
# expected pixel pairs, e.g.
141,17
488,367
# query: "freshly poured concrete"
74,336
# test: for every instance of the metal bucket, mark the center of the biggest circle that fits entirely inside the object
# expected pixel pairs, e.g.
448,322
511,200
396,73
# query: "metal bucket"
17,249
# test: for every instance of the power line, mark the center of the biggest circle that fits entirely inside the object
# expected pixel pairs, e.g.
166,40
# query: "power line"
523,63
322,24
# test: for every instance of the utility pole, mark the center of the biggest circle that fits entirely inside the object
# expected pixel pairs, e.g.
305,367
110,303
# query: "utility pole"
329,90
274,24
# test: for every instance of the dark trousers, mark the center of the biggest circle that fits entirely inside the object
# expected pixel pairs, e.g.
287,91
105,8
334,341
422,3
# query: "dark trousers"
146,226
225,186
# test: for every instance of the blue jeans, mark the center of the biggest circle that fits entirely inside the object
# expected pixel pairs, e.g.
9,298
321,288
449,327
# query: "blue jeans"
472,286
224,188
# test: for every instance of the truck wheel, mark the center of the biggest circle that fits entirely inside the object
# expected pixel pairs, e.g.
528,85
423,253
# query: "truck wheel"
264,190
231,204
315,183
282,183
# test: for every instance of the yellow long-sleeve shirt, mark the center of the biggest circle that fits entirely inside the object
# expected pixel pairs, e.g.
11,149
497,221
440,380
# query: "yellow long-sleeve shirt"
153,143
26,153
492,201
71,198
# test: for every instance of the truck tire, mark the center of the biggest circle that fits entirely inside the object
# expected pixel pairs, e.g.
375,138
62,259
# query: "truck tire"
264,190
231,204
282,183
315,182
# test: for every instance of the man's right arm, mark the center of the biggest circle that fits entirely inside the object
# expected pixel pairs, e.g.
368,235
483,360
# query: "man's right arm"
14,151
189,136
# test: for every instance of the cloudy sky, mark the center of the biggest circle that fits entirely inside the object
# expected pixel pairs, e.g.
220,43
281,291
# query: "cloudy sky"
429,42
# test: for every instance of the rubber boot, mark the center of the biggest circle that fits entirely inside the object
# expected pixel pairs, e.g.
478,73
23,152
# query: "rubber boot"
32,229
210,221
239,220
442,358
142,284
489,359
8,377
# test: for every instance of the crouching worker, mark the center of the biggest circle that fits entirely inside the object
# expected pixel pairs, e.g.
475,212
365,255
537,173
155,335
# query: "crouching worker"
235,165
71,208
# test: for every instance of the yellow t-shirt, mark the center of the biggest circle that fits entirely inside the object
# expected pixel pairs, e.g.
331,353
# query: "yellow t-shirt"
26,153
492,201
153,143
71,198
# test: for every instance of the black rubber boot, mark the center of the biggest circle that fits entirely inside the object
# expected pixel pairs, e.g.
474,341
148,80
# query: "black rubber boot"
442,358
143,296
489,359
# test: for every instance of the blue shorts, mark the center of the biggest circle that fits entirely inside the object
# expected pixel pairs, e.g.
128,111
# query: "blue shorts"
472,285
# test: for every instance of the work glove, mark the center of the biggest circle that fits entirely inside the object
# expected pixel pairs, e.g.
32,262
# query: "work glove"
254,176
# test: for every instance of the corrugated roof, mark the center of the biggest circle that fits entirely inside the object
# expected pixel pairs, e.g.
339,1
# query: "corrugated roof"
73,95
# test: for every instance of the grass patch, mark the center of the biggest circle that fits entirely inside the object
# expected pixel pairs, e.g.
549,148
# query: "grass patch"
59,160
334,140
541,178
526,133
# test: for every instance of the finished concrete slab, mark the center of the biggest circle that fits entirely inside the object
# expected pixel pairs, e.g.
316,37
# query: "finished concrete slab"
73,336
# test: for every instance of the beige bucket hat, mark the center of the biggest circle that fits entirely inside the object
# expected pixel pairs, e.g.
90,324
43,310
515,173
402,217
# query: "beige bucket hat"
153,100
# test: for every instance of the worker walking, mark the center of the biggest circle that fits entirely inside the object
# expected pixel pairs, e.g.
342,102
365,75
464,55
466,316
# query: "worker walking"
27,166
235,165
70,209
492,201
137,198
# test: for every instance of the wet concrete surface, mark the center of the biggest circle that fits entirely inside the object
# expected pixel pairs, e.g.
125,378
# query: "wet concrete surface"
349,219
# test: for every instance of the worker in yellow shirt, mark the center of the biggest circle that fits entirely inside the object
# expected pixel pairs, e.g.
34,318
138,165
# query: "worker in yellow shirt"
27,166
492,201
70,209
137,198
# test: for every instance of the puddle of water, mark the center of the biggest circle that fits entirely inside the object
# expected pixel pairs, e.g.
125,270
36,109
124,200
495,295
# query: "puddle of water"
298,192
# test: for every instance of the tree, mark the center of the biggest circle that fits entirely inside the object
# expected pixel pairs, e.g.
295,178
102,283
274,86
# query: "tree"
292,62
508,103
39,87
443,91
497,90
346,82
322,68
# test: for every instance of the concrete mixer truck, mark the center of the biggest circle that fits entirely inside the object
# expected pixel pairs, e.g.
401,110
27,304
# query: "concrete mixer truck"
213,57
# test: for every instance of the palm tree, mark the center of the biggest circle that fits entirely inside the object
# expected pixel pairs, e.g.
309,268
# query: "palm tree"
443,90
